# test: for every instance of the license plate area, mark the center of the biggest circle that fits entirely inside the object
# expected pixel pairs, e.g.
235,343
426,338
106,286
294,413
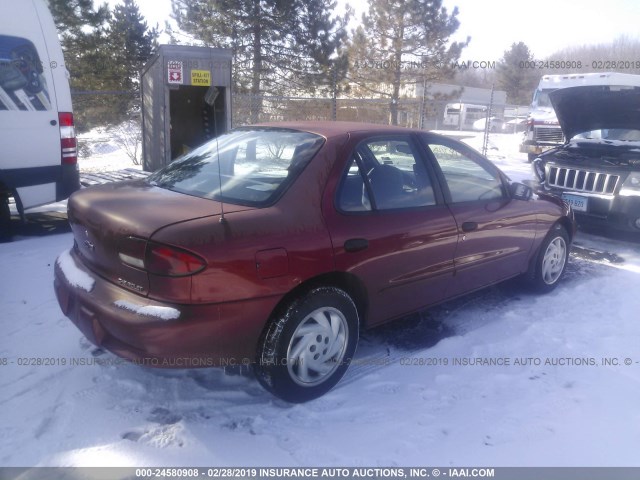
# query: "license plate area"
578,203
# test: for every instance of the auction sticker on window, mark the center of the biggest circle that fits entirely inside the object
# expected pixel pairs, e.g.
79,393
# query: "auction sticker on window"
578,203
201,78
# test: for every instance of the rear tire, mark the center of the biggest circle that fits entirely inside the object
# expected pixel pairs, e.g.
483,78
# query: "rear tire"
5,220
551,262
308,347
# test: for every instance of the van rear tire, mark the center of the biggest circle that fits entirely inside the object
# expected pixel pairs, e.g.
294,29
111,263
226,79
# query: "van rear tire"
5,220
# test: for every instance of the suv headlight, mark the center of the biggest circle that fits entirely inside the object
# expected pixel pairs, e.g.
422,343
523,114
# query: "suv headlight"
631,185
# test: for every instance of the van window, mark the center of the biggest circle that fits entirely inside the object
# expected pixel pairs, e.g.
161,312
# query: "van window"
22,85
541,98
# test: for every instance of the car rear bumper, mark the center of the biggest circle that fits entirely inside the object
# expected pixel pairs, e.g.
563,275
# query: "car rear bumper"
157,334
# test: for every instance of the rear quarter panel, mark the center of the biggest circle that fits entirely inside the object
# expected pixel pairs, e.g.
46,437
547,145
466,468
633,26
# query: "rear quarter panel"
265,251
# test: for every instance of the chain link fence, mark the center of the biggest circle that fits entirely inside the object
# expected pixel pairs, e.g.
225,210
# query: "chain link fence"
421,113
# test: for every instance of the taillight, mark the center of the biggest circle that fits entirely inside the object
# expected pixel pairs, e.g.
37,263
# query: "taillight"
68,143
159,259
165,260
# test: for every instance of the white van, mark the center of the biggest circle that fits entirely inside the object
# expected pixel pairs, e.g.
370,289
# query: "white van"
38,155
462,115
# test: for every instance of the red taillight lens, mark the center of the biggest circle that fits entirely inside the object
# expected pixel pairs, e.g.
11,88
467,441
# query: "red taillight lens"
68,144
159,259
171,261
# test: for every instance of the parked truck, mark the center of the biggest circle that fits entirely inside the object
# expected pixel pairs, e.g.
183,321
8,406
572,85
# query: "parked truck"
543,130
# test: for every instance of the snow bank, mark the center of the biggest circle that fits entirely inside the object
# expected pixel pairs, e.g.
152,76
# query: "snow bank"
107,149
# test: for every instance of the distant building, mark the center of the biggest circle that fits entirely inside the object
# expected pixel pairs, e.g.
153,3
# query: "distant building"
459,94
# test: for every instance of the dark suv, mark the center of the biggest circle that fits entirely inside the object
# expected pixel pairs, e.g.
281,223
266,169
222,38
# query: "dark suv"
597,171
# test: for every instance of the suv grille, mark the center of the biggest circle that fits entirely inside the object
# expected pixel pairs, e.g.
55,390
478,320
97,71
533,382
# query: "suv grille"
548,134
581,180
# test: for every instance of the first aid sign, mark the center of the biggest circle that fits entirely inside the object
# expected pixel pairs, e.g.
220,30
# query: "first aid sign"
174,72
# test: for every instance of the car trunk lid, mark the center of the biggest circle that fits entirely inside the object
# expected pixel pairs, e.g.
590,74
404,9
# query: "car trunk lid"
105,218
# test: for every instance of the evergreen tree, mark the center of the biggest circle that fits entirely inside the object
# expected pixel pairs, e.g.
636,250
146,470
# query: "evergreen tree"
103,53
83,33
277,45
402,40
131,43
513,77
78,20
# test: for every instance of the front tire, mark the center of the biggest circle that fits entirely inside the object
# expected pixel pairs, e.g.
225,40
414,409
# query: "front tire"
551,261
308,347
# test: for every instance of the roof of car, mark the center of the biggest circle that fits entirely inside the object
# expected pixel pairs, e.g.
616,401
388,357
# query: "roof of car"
328,128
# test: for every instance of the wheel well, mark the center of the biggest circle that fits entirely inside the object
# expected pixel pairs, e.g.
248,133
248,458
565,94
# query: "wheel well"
345,281
566,224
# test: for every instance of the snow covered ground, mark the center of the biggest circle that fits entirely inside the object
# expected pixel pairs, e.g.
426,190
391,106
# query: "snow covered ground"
563,389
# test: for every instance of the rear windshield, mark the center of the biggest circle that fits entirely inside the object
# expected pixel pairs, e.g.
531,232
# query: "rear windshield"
247,166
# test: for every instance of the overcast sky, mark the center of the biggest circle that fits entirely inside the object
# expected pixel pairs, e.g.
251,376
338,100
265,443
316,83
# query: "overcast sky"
493,25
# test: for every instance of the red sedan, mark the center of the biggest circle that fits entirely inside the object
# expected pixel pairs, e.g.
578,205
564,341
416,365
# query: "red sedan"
273,245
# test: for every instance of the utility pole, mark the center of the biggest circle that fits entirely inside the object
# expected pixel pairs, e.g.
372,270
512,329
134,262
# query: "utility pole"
487,124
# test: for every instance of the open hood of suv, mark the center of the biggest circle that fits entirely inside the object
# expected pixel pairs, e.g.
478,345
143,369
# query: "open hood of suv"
585,108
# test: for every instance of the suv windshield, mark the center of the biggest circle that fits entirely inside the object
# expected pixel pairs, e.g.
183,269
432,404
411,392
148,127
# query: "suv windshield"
248,166
622,134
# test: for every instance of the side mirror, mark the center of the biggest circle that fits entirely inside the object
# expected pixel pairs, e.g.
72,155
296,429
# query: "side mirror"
520,191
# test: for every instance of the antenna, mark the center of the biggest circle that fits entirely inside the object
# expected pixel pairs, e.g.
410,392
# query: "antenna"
210,99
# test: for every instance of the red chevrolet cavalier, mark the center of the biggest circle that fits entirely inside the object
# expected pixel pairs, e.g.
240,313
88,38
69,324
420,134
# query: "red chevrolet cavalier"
272,245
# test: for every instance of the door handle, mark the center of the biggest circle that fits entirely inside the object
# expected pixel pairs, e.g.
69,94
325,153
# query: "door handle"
469,226
356,244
